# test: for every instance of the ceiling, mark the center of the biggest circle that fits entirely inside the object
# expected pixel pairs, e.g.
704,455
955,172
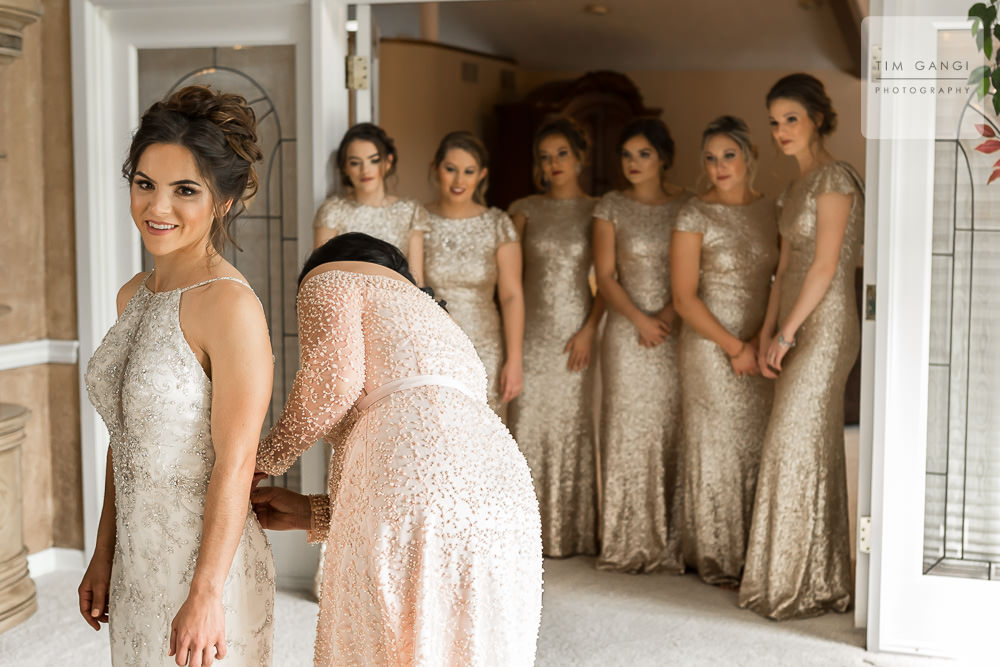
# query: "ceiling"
699,35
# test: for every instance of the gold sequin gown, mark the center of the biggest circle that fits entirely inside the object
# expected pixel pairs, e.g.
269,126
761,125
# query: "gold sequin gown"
724,415
641,400
156,401
392,223
433,551
552,419
798,561
460,263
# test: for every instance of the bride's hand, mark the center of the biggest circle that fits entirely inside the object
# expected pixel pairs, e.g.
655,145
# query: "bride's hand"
94,589
199,628
281,509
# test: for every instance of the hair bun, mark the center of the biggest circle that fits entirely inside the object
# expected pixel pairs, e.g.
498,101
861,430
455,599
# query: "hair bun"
228,111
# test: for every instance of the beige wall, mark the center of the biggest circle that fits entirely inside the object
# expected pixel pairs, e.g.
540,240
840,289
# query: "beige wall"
691,99
422,97
39,284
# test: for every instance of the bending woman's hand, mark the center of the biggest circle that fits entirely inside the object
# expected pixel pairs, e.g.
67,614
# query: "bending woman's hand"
94,589
281,509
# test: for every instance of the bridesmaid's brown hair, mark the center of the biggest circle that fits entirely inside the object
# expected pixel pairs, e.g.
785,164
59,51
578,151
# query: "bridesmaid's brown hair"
470,143
808,91
559,126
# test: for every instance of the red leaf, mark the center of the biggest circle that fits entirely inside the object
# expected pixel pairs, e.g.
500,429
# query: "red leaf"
986,130
989,146
997,163
994,176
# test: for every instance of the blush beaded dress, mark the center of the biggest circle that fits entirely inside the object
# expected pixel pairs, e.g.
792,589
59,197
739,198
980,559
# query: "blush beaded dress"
433,541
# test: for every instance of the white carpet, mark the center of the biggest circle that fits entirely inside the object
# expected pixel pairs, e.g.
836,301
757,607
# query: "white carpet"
590,619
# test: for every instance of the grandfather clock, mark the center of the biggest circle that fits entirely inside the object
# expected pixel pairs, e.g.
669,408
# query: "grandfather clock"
601,102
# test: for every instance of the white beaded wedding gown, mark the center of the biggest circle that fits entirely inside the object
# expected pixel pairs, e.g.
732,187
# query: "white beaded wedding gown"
156,400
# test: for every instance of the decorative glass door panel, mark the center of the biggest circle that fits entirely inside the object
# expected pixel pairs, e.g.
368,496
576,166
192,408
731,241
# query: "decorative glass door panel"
267,231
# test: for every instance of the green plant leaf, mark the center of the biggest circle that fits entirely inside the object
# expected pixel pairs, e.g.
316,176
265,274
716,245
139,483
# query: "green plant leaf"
978,10
991,15
984,88
980,38
995,78
977,24
987,42
978,74
996,103
996,31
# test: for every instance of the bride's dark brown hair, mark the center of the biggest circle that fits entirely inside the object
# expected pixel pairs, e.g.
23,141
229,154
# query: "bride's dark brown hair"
220,130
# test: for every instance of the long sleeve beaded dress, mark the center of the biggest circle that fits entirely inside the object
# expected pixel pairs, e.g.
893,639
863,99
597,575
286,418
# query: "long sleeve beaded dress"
432,530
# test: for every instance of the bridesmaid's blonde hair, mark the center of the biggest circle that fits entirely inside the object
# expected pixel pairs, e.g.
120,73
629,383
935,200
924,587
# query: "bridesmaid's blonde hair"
737,130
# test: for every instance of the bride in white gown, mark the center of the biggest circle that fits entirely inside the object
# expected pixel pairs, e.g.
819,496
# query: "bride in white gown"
182,571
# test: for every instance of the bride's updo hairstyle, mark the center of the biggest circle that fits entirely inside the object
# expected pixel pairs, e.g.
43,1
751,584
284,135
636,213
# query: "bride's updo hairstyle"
358,247
220,130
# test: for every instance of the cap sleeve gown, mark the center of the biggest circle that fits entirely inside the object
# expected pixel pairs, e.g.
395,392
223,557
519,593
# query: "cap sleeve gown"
156,401
460,263
392,223
641,400
798,561
552,419
724,414
433,537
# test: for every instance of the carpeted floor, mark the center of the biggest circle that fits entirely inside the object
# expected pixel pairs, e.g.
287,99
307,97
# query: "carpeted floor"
590,619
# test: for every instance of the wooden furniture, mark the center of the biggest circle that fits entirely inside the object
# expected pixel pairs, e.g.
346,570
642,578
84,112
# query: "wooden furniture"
601,102
17,590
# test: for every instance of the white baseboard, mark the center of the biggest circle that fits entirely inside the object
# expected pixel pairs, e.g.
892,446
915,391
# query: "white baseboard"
54,559
292,583
36,352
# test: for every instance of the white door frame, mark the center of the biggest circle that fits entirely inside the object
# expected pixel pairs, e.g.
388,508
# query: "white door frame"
909,612
106,36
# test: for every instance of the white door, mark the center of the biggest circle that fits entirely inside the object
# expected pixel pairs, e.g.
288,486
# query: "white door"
170,44
935,224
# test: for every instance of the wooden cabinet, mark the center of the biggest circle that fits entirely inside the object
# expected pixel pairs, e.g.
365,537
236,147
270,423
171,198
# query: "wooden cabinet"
601,102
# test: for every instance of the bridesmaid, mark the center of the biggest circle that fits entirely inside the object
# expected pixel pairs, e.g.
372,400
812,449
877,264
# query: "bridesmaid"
722,255
366,157
552,419
640,411
798,561
471,252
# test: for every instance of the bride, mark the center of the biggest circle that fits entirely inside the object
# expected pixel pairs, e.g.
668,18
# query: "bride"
182,571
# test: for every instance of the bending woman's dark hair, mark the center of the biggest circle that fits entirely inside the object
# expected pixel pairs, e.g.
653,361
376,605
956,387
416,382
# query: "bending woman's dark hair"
358,247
